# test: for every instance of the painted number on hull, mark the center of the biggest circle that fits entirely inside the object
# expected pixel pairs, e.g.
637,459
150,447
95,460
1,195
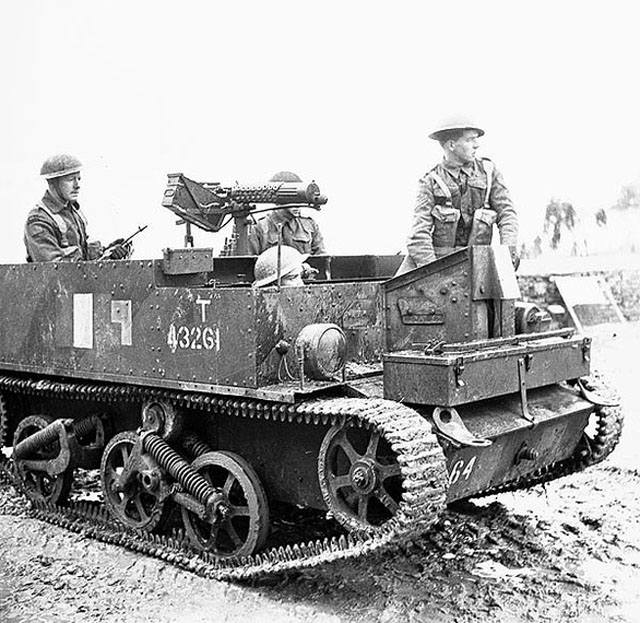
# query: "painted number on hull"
193,338
461,469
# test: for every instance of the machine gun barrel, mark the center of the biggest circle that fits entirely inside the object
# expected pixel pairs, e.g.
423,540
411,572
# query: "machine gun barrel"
279,194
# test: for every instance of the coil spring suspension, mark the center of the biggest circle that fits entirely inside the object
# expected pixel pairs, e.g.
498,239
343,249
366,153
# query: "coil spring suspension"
173,463
194,446
41,438
51,433
85,427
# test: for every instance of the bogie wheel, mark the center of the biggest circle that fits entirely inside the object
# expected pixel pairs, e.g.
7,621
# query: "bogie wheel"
41,486
244,530
359,478
130,499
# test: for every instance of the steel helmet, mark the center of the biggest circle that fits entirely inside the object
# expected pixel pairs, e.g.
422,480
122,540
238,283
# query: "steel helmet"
266,266
285,176
59,165
458,122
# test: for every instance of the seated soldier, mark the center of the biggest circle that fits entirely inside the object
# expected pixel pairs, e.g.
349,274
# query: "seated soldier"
300,232
266,267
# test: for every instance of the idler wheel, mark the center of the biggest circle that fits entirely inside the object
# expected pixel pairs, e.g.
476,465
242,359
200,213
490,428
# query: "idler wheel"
128,484
359,478
242,525
40,486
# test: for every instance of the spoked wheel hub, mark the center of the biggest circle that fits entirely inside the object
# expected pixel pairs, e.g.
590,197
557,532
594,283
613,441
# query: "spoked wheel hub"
364,477
240,522
359,478
130,483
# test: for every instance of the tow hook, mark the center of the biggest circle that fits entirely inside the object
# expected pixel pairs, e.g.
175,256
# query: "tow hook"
526,454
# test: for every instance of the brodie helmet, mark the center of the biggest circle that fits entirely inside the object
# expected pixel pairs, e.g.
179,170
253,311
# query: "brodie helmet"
285,176
453,124
59,166
266,266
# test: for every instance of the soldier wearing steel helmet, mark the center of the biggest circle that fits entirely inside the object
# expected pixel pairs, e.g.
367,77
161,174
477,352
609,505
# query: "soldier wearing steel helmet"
56,229
459,200
300,232
289,266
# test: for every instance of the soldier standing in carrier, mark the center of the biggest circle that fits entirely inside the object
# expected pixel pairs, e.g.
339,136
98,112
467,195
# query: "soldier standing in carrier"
300,232
56,229
459,200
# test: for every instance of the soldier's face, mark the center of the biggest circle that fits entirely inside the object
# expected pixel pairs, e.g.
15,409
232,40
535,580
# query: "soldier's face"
294,278
463,150
290,213
69,186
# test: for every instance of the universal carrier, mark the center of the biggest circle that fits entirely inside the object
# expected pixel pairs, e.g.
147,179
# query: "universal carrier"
214,409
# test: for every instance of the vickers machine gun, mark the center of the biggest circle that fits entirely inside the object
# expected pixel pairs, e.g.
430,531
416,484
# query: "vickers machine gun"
210,206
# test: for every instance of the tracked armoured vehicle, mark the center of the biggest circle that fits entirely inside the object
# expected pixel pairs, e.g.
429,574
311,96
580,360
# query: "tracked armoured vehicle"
204,401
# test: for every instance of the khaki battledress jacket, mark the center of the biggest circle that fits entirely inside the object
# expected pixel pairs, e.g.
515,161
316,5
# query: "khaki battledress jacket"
301,233
443,220
57,231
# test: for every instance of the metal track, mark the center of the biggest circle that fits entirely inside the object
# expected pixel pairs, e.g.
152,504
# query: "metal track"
421,461
4,423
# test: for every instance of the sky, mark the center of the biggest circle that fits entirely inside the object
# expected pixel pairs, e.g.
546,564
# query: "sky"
343,93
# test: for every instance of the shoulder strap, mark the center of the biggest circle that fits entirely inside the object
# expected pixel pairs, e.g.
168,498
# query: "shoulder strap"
440,182
58,220
488,168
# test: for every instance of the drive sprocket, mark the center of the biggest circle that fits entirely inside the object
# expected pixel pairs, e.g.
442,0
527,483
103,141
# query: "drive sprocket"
360,476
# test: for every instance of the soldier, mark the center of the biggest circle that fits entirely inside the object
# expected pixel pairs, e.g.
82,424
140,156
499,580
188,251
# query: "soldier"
300,232
459,200
56,229
291,267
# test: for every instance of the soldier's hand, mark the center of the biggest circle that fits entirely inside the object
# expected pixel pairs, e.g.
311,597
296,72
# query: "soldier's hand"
118,250
308,272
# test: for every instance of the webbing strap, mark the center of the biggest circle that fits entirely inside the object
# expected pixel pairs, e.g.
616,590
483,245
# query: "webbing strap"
58,220
440,182
488,168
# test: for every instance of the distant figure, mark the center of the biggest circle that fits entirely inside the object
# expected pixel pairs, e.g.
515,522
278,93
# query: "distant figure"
291,267
459,200
559,216
601,218
300,232
537,246
56,229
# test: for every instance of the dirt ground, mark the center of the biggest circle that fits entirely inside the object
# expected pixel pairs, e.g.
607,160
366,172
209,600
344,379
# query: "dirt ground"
567,552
